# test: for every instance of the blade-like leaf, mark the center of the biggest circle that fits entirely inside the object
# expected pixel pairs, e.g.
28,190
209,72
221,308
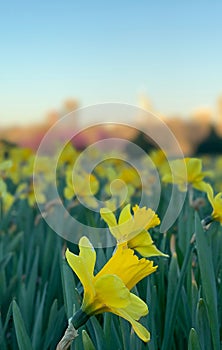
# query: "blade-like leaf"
193,343
87,342
208,280
24,342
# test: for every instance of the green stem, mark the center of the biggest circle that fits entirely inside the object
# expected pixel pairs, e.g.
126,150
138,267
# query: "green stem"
79,319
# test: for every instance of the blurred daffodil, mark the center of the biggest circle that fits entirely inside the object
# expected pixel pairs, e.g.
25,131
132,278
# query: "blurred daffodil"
133,229
119,192
109,289
83,185
3,188
186,171
68,155
216,203
159,159
26,191
6,198
7,164
39,166
3,167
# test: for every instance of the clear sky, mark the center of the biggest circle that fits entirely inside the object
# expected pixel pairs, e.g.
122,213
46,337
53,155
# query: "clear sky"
100,51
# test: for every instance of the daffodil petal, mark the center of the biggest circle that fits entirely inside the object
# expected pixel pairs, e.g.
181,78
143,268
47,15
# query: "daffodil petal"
143,238
108,217
144,245
68,193
210,194
139,329
83,266
124,260
167,178
112,291
148,251
125,215
137,307
88,254
151,217
201,186
194,166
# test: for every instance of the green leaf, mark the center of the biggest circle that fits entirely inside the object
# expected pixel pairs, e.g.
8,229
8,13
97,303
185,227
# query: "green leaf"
193,342
99,335
24,342
202,326
55,328
87,342
2,337
8,316
171,315
208,281
4,261
172,283
125,330
31,287
69,289
37,328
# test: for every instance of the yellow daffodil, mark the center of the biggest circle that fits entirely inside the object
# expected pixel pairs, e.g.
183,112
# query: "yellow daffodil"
6,197
109,289
86,186
187,171
26,191
68,155
159,159
7,200
119,191
20,155
133,230
6,164
3,167
3,188
216,203
106,170
40,167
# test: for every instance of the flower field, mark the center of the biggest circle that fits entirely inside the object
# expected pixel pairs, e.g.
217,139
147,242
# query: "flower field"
142,285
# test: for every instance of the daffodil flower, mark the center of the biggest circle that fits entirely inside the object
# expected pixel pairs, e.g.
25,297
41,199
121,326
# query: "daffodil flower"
186,171
109,289
86,186
26,191
216,203
5,196
7,164
133,229
68,155
159,159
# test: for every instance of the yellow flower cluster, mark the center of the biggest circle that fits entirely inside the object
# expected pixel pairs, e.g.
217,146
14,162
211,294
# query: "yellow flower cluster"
109,290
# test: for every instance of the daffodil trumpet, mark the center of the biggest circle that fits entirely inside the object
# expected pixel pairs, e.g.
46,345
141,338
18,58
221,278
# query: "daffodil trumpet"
133,229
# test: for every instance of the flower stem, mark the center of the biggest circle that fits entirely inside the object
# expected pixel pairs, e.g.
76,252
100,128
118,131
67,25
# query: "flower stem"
78,320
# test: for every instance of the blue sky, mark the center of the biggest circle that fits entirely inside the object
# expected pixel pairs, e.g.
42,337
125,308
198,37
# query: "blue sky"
113,51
